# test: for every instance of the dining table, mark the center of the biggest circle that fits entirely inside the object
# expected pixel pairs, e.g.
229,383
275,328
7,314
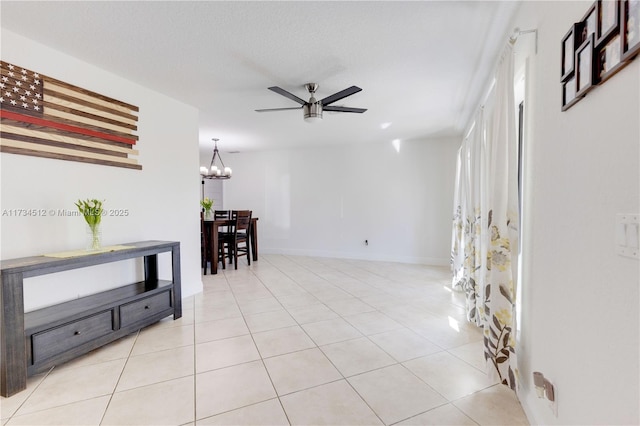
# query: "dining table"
212,227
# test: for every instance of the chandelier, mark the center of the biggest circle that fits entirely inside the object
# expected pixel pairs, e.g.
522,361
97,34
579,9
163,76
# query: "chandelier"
215,172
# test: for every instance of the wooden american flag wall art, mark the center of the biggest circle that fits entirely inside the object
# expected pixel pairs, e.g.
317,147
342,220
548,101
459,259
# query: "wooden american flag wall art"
44,117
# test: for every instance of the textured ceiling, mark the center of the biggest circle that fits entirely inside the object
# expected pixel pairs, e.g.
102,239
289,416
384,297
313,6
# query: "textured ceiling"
422,65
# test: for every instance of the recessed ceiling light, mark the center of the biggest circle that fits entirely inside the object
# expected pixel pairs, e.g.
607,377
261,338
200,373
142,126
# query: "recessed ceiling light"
385,125
396,144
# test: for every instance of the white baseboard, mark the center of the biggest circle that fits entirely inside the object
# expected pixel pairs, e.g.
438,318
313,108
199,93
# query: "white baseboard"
358,256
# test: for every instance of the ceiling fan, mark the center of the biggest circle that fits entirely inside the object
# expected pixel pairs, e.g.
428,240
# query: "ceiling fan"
313,108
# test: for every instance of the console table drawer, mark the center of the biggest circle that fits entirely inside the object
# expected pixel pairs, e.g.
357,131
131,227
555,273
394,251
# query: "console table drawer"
142,309
60,339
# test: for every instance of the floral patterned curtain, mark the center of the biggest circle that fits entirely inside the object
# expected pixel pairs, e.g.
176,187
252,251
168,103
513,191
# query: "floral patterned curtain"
485,234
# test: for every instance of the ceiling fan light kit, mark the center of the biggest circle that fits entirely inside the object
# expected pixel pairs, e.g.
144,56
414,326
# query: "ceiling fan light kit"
313,109
312,112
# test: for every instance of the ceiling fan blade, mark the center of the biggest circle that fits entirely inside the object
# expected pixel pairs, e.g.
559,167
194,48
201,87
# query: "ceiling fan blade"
343,109
286,94
276,109
342,94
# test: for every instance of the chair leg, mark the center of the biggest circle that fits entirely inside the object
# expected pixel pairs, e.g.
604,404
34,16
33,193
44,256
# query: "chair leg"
203,263
235,256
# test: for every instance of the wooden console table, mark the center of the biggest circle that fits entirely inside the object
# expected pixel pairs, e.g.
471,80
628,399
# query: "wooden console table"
35,341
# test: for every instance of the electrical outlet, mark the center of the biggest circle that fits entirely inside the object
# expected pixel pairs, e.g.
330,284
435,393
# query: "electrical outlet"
546,390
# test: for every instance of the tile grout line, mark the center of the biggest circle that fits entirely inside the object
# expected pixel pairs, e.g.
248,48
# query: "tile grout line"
258,349
30,395
330,361
195,377
119,378
448,401
442,349
262,359
411,372
344,378
380,368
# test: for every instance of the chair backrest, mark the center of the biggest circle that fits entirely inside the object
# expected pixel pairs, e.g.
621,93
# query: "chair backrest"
221,214
235,213
242,221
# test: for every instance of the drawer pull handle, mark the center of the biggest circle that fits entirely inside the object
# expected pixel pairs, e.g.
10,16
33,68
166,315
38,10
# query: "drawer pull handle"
77,333
146,307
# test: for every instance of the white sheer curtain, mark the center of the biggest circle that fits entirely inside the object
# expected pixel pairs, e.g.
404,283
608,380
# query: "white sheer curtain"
485,234
467,247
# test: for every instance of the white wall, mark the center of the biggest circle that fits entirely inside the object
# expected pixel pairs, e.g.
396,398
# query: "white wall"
326,201
162,198
580,301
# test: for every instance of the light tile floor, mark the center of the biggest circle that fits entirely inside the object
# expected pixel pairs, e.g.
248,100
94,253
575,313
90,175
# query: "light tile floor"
288,340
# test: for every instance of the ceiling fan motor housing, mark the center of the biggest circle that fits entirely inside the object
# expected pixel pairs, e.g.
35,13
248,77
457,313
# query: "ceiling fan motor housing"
312,110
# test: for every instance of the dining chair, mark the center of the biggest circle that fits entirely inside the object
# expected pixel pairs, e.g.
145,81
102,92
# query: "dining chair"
224,236
239,242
